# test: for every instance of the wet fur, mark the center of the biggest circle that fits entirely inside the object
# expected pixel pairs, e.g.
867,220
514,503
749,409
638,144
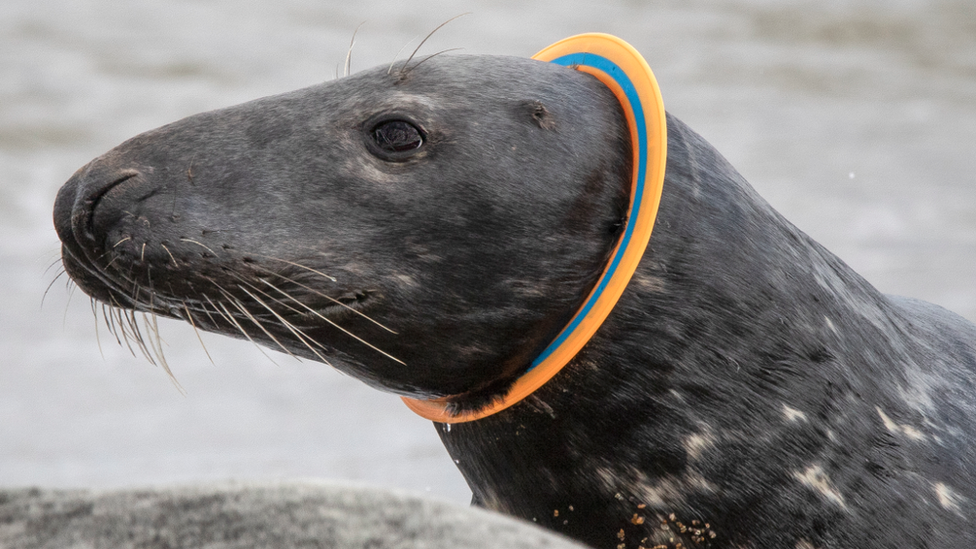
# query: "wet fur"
749,390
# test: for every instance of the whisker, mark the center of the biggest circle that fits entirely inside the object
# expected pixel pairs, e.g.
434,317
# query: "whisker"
207,311
120,322
297,332
231,318
328,297
116,245
333,324
110,326
151,290
189,317
111,261
352,43
240,306
406,69
125,277
119,325
55,262
158,347
175,264
294,330
299,265
433,55
130,317
98,340
67,303
48,289
204,246
134,294
116,319
136,290
133,331
403,47
226,316
276,300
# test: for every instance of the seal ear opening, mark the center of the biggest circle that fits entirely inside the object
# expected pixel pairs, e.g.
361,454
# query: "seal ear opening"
537,112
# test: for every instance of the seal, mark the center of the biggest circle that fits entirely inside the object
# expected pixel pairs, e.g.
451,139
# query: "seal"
430,228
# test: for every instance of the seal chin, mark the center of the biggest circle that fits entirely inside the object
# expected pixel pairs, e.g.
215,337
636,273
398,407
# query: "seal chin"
85,277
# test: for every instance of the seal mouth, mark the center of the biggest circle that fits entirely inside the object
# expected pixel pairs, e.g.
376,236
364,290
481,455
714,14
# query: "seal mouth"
283,310
214,302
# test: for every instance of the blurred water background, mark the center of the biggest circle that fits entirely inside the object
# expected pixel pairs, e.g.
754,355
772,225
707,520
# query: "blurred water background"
855,118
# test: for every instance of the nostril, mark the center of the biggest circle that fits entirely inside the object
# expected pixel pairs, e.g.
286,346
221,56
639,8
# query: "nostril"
99,193
103,204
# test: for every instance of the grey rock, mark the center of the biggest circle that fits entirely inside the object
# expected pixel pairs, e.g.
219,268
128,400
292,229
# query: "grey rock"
309,515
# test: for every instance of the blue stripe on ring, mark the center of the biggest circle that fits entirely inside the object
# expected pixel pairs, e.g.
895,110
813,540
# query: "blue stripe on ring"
615,72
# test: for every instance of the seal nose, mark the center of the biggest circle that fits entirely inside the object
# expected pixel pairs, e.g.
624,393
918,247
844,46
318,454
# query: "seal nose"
93,201
88,206
64,205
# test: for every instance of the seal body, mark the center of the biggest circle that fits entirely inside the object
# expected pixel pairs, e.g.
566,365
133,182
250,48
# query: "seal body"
429,229
752,391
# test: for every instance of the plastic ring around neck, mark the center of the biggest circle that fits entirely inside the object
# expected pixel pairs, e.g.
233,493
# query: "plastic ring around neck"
621,68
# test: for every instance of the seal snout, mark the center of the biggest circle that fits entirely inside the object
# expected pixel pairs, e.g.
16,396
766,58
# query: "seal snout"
94,202
95,214
77,200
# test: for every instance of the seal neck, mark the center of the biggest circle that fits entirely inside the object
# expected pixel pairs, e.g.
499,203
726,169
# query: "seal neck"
622,69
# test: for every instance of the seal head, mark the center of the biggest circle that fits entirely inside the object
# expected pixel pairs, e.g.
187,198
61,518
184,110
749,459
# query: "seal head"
419,228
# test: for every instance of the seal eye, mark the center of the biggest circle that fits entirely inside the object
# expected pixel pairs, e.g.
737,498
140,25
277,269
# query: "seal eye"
396,138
